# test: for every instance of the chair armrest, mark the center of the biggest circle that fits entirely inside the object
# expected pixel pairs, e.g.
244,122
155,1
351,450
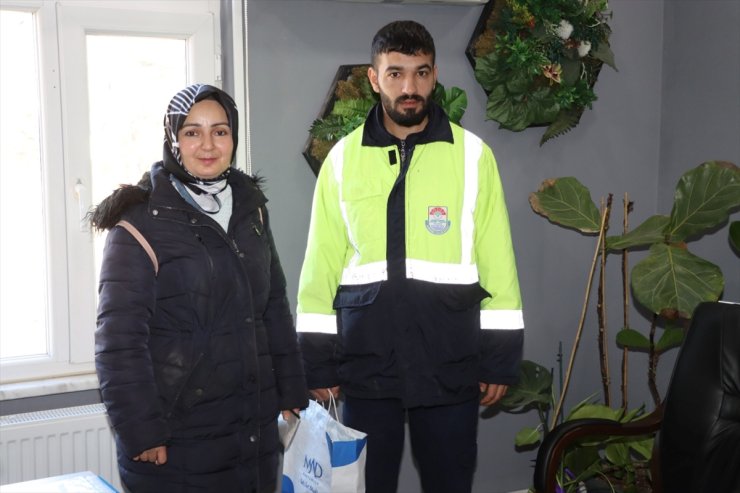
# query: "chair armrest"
557,441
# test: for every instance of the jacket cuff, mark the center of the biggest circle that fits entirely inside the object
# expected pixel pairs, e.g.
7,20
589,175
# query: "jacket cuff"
500,356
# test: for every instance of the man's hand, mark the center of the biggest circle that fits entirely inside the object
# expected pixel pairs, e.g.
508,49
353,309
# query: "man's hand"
322,395
491,393
158,455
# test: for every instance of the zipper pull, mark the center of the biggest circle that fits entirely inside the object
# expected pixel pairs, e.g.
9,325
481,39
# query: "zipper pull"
236,247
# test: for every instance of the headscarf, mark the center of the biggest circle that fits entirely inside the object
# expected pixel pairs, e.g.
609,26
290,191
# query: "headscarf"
202,192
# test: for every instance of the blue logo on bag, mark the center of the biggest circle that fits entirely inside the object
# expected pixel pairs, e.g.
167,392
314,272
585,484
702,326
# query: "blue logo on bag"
287,486
344,452
313,466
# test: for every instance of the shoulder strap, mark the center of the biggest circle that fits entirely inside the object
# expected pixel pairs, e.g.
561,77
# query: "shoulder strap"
142,241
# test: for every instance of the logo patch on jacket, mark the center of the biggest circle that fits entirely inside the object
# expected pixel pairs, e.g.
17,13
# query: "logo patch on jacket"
437,222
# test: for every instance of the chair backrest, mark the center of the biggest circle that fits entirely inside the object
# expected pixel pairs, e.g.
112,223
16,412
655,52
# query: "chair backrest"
699,443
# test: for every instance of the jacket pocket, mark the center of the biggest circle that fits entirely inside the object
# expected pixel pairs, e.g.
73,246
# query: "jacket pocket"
353,296
458,297
194,387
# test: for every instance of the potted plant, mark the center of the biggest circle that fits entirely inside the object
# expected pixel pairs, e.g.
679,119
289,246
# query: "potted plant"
669,282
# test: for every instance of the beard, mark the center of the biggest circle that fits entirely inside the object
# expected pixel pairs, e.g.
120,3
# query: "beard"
405,118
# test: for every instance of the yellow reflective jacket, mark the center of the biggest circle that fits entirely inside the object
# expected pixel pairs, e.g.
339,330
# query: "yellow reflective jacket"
428,211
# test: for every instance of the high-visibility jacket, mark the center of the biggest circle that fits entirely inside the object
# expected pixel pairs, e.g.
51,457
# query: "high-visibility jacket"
409,286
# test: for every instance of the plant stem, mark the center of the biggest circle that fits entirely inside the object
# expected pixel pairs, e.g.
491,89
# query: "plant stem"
601,308
626,209
653,363
582,320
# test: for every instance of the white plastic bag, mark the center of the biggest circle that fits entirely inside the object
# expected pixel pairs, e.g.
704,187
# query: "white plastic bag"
324,456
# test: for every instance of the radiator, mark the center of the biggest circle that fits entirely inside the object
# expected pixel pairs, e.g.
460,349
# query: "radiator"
58,441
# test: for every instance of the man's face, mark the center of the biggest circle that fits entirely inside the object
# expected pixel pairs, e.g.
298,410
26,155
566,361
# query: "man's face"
405,84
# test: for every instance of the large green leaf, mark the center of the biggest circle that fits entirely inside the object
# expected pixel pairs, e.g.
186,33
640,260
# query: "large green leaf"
671,280
565,201
499,106
542,106
594,411
672,337
486,71
735,235
643,447
527,436
563,123
454,101
704,198
603,52
352,107
584,462
571,70
533,388
632,339
618,454
647,233
511,113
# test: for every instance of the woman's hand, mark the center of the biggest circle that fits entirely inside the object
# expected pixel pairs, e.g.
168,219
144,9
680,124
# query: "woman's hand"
291,413
158,455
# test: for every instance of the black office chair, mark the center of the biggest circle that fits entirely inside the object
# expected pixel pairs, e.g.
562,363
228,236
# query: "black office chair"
697,446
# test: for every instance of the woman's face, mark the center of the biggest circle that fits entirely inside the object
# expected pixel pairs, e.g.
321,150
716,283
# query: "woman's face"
205,140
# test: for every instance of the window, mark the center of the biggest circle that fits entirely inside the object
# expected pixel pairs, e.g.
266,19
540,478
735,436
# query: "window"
22,284
83,91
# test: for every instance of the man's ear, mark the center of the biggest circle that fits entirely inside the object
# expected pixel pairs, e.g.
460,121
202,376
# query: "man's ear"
372,75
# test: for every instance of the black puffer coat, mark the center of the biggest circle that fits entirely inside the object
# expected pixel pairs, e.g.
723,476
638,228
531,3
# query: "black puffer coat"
202,356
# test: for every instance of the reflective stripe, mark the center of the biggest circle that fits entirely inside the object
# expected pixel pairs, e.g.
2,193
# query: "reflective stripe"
501,319
316,322
337,157
421,270
473,149
365,274
424,270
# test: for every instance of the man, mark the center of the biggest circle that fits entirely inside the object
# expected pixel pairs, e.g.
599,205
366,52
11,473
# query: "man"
408,299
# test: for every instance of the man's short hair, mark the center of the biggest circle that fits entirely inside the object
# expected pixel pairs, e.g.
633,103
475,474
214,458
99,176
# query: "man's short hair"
407,37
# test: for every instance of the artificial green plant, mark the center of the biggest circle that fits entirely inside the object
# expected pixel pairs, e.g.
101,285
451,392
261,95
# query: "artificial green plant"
538,61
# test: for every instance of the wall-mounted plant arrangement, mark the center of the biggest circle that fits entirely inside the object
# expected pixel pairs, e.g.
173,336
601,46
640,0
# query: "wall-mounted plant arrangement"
538,61
346,105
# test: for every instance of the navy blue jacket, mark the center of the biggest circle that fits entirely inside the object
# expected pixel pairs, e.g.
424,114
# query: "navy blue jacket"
202,356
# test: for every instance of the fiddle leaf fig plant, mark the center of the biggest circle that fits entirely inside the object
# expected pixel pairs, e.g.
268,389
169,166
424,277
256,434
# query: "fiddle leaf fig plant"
670,282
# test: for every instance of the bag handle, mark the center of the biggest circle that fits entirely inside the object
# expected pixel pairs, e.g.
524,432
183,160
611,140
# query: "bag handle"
142,241
332,407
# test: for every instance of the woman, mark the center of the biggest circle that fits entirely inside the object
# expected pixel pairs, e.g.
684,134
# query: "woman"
195,348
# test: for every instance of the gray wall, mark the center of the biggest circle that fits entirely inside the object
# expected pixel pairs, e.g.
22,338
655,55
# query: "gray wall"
658,116
674,103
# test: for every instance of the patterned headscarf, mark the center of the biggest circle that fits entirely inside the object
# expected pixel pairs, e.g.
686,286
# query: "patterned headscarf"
203,190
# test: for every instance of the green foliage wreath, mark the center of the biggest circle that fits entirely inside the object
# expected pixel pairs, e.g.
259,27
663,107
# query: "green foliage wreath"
538,61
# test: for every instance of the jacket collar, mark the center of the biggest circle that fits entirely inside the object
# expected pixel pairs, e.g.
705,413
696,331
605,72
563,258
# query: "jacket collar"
437,130
245,190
